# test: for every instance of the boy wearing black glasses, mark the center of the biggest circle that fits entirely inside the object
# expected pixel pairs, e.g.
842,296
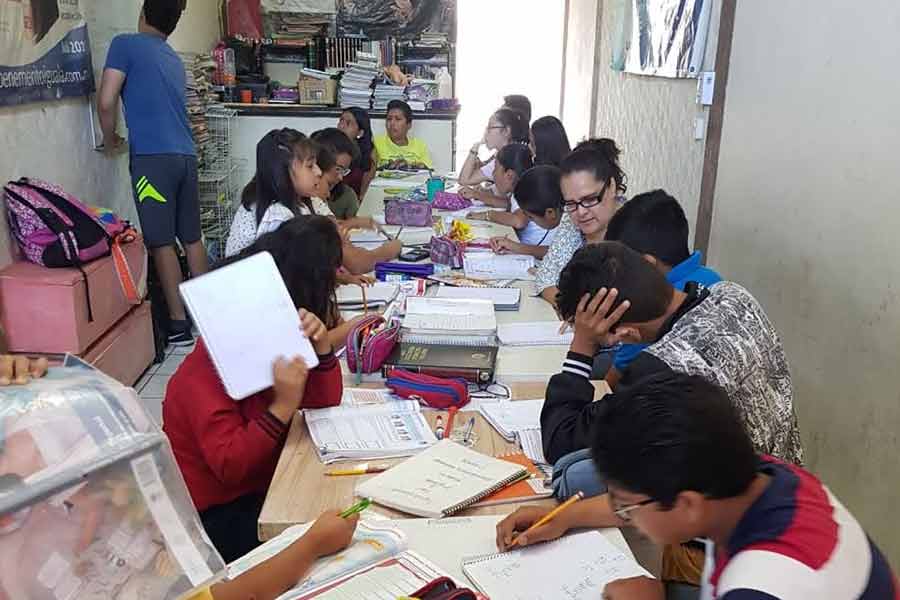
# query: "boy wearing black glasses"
681,466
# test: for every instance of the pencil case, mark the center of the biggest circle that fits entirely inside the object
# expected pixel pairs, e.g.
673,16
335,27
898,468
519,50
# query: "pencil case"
409,213
436,392
367,347
450,201
385,269
444,588
445,251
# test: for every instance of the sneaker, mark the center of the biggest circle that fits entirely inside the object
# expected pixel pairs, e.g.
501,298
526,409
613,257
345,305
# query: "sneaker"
180,334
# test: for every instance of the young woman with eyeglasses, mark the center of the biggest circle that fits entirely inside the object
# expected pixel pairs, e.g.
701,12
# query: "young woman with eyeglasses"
506,126
592,186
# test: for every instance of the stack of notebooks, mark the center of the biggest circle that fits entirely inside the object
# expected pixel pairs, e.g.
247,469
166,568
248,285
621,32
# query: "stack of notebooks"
442,480
505,299
511,417
384,93
378,295
356,82
198,72
459,322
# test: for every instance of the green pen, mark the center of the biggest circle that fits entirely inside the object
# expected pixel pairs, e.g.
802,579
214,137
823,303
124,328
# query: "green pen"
356,508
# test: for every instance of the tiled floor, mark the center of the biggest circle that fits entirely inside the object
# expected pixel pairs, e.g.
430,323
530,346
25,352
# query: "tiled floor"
152,386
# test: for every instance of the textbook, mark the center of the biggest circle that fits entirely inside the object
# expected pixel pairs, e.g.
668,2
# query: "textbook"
441,480
472,363
247,320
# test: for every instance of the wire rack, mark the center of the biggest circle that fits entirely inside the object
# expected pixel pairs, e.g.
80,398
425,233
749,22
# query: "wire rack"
218,181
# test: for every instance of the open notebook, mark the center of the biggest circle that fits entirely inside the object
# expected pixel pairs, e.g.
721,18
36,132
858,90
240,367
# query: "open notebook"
377,295
503,298
480,265
576,567
510,417
441,480
449,321
247,320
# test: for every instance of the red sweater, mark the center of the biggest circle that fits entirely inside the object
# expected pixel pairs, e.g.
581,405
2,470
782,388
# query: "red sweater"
224,448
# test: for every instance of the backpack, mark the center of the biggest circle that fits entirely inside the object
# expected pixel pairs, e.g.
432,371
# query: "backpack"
55,229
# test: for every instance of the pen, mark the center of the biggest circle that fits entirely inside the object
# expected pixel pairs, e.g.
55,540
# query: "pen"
469,429
439,427
362,469
450,414
357,508
546,518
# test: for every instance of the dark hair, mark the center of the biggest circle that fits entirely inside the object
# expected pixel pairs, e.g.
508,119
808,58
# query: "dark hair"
272,182
163,15
364,143
402,107
308,252
551,143
614,265
598,156
671,433
538,190
652,223
515,122
515,157
519,103
336,141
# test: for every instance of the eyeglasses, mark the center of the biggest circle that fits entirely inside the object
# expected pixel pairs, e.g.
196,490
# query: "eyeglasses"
624,512
343,171
589,202
489,127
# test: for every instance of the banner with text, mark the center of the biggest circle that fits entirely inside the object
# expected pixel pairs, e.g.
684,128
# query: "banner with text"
44,51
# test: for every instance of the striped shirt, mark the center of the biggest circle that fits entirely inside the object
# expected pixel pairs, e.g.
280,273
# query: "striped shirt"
798,542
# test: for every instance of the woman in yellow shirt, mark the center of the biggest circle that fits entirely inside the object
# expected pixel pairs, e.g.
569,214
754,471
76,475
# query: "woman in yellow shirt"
396,149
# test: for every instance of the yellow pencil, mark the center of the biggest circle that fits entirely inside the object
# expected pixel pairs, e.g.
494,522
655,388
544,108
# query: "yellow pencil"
549,516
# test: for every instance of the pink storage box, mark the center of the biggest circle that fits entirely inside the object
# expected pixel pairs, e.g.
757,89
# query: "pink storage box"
45,310
126,350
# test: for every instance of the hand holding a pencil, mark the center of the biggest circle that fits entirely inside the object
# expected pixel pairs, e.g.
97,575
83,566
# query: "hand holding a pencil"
332,533
523,527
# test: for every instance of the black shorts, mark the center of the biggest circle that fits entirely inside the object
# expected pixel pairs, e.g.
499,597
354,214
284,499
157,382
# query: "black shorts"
167,196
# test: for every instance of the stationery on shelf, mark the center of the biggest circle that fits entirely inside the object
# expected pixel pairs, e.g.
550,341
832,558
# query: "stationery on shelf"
534,333
449,321
583,563
440,481
391,430
503,298
472,363
510,417
479,265
531,487
377,295
244,349
376,564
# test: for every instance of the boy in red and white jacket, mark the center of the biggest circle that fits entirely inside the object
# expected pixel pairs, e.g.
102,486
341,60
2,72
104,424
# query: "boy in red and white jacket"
227,450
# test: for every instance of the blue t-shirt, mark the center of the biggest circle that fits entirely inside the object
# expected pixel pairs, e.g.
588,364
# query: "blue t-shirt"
154,94
679,276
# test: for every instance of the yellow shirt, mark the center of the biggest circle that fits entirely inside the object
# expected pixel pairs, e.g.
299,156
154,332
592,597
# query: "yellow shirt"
204,594
414,152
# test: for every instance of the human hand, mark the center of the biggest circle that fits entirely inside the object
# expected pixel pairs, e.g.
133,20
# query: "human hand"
394,248
484,215
19,370
595,319
524,518
290,382
634,588
504,245
347,278
315,332
113,144
331,533
468,192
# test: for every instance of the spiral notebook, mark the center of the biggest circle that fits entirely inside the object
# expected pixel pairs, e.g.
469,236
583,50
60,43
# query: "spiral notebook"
247,320
576,566
441,481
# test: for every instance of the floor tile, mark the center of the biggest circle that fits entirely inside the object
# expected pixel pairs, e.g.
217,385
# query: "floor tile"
170,365
181,350
145,378
155,387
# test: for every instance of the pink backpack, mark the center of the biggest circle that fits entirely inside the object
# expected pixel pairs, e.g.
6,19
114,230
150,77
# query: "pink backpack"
55,229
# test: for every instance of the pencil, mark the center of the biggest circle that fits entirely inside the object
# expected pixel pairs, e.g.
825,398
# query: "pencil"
549,516
356,508
365,301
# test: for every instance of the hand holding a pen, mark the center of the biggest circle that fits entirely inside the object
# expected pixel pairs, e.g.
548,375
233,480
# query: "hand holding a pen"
332,533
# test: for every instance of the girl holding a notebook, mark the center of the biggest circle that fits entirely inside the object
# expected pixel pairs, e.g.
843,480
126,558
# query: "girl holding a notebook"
227,450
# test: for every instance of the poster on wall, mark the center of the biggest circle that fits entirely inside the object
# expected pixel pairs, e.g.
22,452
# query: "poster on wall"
378,19
665,38
44,51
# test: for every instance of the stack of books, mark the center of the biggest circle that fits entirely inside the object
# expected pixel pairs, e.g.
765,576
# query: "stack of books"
198,69
297,29
356,82
420,92
449,321
385,92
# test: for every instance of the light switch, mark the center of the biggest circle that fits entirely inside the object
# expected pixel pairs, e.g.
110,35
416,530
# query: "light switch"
699,128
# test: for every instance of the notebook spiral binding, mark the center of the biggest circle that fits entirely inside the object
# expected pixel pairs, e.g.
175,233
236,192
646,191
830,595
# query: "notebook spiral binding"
469,502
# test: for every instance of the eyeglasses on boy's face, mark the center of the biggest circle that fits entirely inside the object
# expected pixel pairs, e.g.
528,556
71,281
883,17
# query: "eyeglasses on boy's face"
586,202
624,512
342,171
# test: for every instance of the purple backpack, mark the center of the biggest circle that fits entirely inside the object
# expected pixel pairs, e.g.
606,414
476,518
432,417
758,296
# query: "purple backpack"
54,229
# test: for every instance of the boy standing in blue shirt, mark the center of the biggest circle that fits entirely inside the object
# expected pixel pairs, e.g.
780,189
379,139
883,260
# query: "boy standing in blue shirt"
149,76
654,225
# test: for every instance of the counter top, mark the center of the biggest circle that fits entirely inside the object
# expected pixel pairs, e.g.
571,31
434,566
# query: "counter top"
298,110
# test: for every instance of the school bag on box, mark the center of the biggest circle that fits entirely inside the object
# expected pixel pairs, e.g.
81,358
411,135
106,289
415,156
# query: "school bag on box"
55,229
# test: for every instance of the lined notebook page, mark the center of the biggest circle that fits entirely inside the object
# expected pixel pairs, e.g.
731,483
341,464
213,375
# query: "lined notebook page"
436,314
439,481
498,266
576,567
510,417
247,320
534,333
499,296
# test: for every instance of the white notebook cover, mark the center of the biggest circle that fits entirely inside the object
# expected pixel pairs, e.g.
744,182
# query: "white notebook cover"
247,320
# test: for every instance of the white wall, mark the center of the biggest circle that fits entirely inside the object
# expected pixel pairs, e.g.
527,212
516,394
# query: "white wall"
579,82
52,140
652,119
806,216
